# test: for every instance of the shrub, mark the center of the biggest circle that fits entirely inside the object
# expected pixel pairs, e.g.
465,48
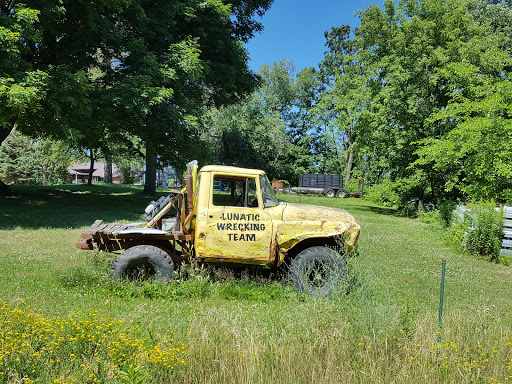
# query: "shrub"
479,229
446,209
382,194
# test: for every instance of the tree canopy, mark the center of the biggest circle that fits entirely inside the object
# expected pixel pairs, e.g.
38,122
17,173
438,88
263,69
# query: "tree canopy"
94,71
419,94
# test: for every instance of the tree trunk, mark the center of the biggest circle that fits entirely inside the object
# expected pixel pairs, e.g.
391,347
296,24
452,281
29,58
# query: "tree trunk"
350,142
108,169
350,161
150,182
91,168
44,176
4,189
5,130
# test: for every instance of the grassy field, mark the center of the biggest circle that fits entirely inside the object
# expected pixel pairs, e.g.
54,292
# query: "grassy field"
62,319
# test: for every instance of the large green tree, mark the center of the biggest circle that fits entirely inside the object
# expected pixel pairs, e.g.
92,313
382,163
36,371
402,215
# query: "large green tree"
96,71
345,98
409,48
179,57
46,51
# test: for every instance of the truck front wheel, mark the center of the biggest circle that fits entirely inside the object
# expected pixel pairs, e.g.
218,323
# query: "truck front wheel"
319,271
142,262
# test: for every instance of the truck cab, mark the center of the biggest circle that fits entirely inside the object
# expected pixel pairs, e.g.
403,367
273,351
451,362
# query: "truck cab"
239,218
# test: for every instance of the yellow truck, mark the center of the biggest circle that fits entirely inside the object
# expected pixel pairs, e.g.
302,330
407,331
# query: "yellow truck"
229,215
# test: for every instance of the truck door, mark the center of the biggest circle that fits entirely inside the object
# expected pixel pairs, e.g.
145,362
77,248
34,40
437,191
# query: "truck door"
238,229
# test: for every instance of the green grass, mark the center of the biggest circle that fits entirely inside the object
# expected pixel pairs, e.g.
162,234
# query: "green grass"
251,329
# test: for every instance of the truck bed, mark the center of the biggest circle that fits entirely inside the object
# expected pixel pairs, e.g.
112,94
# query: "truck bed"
106,237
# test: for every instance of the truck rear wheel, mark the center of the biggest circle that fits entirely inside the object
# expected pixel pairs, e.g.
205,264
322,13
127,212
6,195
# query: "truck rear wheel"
319,271
330,193
142,262
341,193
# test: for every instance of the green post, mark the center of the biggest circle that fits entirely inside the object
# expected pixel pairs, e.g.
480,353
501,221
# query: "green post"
441,303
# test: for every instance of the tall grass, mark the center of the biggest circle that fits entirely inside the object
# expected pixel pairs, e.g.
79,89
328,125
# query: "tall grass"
249,328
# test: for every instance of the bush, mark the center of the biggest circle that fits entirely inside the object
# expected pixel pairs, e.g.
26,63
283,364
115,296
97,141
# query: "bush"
446,209
382,194
479,229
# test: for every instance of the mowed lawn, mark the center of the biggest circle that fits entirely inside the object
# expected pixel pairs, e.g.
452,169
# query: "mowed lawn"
62,319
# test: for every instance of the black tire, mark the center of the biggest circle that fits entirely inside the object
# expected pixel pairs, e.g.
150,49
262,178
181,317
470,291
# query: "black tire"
142,262
330,193
319,271
341,193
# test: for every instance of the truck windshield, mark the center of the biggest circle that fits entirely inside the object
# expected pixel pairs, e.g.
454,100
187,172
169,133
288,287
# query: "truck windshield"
267,193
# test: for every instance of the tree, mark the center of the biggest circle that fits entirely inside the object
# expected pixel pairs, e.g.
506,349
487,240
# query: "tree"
179,57
407,48
345,98
46,50
81,70
246,136
35,160
474,156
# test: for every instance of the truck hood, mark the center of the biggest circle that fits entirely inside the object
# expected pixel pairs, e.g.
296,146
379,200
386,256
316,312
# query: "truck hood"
306,212
301,222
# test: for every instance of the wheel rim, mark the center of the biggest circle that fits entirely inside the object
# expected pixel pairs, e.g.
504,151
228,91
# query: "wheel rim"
318,274
330,194
140,269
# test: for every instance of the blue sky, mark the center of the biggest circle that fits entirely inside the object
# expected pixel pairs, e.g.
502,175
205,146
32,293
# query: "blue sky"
294,30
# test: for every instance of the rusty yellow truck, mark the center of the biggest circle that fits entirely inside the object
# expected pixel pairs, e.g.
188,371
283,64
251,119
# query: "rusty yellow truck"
230,215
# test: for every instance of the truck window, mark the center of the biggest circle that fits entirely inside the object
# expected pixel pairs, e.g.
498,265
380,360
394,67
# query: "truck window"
267,193
234,191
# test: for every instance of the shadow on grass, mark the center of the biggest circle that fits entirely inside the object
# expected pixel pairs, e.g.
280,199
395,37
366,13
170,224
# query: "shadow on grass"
72,206
378,210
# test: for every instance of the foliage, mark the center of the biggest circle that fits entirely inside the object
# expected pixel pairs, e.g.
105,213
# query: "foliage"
383,194
439,81
272,128
475,155
479,229
25,160
181,57
99,72
344,101
446,209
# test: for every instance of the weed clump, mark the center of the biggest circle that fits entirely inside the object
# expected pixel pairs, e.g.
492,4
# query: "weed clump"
479,229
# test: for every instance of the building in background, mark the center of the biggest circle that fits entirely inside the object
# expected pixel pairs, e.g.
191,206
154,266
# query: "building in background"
79,173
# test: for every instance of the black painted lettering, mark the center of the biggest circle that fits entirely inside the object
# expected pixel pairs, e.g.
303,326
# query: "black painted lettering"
251,237
221,226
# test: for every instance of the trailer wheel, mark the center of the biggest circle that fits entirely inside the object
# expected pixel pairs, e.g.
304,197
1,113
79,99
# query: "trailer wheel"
142,262
341,193
330,193
319,271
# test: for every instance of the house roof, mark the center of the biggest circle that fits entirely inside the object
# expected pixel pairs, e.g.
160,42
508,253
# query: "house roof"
82,169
